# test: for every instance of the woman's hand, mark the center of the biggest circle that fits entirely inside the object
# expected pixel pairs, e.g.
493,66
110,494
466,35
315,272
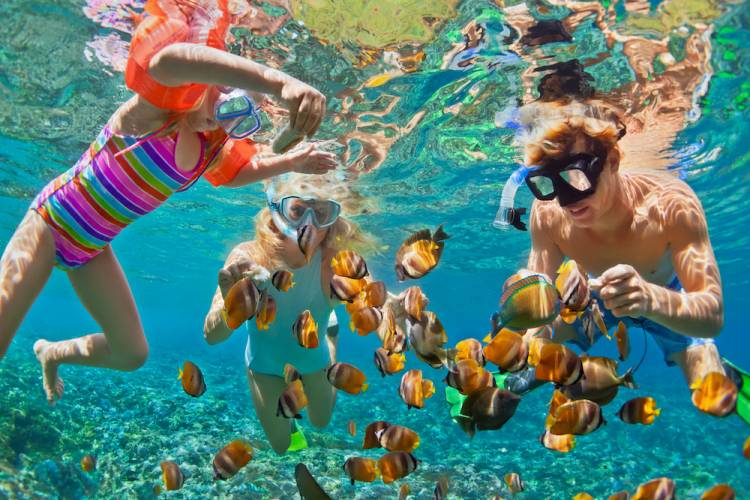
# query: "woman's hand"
624,291
311,160
307,106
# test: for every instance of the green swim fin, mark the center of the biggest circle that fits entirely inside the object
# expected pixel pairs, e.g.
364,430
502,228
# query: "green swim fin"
298,440
743,398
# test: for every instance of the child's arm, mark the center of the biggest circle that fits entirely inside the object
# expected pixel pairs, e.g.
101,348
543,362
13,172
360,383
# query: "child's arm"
238,262
182,63
307,160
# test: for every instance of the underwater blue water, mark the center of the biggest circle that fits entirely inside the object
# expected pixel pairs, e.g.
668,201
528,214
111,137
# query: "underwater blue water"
53,100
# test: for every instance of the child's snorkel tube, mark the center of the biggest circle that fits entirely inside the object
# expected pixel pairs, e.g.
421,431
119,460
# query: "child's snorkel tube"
507,214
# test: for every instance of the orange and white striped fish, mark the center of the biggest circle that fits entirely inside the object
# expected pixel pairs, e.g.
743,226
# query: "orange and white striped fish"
306,330
349,264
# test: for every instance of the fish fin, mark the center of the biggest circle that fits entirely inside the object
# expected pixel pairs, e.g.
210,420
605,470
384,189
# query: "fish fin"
657,411
628,380
179,373
697,384
487,338
364,387
440,234
599,320
568,316
422,234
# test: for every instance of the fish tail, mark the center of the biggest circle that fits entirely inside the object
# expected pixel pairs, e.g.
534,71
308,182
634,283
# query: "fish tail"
488,338
657,411
628,380
179,373
365,386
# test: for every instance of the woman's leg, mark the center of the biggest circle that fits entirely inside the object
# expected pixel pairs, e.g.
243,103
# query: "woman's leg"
24,269
266,390
321,397
104,291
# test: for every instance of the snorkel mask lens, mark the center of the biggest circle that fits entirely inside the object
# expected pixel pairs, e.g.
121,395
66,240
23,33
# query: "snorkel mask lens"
297,211
237,114
569,179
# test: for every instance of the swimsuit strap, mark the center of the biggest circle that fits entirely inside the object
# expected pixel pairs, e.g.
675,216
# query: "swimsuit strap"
144,138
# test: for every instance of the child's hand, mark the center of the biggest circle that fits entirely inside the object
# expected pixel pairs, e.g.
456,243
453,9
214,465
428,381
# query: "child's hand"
311,160
307,106
233,273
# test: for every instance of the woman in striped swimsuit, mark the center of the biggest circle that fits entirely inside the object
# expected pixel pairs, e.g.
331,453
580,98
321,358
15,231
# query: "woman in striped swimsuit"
128,172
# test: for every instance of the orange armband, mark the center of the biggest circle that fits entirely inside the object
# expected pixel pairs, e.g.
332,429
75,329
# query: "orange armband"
235,154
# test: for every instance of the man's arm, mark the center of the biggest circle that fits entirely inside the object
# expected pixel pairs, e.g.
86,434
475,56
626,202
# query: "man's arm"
700,311
545,257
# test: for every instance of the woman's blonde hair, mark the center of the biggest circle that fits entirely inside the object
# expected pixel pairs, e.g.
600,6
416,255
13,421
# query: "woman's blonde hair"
343,234
551,128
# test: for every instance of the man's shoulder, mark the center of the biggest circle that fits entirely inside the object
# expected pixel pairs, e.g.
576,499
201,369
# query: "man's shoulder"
677,204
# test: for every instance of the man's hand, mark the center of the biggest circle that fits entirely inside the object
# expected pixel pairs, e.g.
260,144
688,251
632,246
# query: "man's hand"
624,291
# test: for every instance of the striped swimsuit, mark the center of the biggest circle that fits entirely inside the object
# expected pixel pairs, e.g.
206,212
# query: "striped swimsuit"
87,206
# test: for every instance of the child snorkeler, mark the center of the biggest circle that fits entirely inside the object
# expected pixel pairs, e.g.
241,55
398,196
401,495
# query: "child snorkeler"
191,117
300,201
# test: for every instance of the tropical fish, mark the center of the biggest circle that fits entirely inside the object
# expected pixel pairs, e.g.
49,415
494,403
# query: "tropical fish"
577,417
351,428
528,302
487,409
306,330
470,349
371,434
266,311
375,294
427,337
308,487
403,492
398,438
657,489
291,374
240,303
600,380
231,459
366,320
508,350
746,448
391,335
514,482
306,236
292,401
88,463
361,469
282,280
441,489
349,264
623,341
716,394
563,443
639,411
467,376
192,379
171,476
396,464
558,398
620,495
420,253
572,285
347,378
346,289
558,364
388,364
415,302
414,390
719,492
583,496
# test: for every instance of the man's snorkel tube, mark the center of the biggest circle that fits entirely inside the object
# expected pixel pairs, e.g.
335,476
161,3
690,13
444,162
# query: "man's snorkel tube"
507,214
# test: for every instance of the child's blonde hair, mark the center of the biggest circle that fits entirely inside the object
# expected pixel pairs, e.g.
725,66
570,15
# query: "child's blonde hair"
551,128
343,234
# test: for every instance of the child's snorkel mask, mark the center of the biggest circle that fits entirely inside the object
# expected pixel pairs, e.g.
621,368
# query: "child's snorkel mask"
569,179
291,213
236,113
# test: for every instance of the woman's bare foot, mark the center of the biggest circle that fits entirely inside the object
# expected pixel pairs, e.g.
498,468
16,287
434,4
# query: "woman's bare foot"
53,384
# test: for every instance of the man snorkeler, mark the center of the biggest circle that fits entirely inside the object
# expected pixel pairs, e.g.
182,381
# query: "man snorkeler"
641,233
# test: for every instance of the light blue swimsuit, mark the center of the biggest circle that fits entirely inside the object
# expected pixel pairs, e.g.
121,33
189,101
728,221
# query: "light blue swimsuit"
269,350
668,341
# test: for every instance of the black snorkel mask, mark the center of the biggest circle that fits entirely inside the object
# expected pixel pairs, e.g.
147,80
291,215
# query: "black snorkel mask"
570,179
